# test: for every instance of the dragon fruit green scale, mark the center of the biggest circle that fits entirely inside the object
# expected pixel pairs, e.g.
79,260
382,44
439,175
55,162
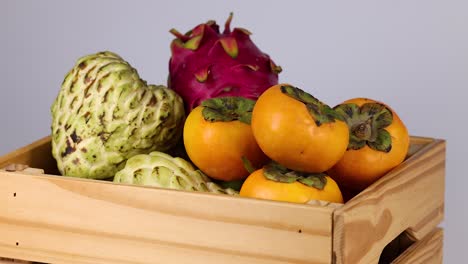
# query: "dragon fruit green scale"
161,170
205,63
104,114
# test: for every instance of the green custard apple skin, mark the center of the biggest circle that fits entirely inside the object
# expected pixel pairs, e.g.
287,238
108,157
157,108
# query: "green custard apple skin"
161,170
105,113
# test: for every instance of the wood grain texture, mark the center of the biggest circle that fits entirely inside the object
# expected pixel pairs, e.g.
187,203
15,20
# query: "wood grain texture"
411,197
426,251
58,219
13,261
62,220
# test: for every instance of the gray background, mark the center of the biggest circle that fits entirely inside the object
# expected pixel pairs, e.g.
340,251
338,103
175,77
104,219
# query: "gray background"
411,54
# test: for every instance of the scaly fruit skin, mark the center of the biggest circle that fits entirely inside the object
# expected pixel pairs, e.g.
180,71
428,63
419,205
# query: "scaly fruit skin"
206,63
164,171
105,114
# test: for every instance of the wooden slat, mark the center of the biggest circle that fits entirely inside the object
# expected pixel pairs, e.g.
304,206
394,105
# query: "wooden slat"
64,220
427,251
37,155
411,197
58,219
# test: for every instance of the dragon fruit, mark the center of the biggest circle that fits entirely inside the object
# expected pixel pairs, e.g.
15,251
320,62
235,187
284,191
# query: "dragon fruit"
206,63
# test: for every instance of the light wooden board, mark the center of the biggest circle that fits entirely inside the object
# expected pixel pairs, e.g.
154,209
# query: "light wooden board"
56,219
411,198
63,220
426,251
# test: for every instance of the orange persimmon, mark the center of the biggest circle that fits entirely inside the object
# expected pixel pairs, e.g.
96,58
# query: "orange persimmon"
288,186
298,131
218,138
379,142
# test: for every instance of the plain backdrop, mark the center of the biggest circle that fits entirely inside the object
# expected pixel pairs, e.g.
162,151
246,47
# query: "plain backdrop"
412,55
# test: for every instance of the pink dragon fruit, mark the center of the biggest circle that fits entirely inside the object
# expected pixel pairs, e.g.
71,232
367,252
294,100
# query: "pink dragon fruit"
206,64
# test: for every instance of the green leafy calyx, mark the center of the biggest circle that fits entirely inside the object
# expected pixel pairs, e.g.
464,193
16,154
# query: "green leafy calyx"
321,112
367,125
276,172
247,164
225,109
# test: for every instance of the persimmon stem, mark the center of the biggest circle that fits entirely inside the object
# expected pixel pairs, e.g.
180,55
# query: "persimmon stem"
363,130
367,125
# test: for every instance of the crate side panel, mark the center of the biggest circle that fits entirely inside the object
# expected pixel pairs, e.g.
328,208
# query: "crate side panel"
411,197
61,217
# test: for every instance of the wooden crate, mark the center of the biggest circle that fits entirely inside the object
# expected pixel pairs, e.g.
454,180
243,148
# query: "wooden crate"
56,219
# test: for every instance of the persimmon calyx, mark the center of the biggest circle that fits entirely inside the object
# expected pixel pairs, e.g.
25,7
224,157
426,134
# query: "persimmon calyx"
247,165
367,125
225,109
321,112
276,172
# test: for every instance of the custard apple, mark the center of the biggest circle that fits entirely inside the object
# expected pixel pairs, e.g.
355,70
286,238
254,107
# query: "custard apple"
159,169
104,114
